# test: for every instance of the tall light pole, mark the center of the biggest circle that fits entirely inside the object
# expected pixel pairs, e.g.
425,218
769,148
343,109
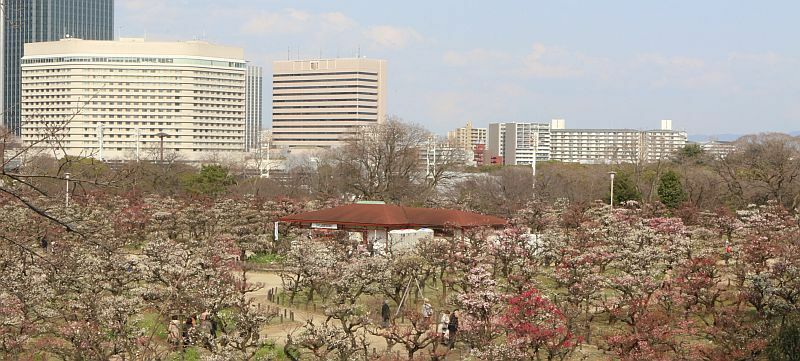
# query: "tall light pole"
161,136
138,142
100,134
612,174
267,164
66,196
535,142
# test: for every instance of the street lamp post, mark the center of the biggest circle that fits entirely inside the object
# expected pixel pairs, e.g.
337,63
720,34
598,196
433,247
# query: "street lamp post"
263,166
535,142
161,136
66,196
612,174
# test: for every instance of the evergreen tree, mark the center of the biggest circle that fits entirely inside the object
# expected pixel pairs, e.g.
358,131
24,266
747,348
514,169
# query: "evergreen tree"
624,189
211,180
670,190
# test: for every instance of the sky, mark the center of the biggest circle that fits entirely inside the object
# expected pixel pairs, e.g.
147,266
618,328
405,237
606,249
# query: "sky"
712,66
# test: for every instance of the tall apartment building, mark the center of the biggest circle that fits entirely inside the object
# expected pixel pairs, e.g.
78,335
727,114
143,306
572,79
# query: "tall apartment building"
130,99
615,145
514,143
471,140
30,21
321,103
466,137
517,143
253,108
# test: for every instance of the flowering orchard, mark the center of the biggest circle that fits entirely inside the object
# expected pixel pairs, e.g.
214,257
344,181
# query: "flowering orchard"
107,286
104,277
586,282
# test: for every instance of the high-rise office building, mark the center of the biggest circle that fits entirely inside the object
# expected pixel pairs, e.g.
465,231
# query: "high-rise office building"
31,21
322,103
133,99
253,108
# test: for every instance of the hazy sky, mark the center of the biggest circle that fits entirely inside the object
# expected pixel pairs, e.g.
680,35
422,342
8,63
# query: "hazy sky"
710,66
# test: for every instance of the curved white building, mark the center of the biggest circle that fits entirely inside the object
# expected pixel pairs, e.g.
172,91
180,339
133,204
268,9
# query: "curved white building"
118,100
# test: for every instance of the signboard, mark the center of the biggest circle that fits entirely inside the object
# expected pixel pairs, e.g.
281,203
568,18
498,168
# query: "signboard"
323,226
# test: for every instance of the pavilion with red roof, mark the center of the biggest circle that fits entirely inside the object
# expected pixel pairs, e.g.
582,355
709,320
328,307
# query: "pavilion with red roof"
391,217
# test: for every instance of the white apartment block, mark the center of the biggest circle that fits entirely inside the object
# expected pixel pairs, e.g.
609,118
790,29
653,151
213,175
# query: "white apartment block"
515,143
322,103
615,145
253,108
129,99
466,137
718,148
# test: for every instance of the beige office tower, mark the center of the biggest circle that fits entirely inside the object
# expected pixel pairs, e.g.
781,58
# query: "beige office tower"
322,103
133,99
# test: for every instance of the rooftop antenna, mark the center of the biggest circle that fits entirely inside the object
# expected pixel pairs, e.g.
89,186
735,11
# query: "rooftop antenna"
358,53
288,53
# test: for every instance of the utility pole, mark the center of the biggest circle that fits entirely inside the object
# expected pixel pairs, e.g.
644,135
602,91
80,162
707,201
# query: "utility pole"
265,170
434,159
612,174
66,195
535,142
138,142
428,159
100,133
161,136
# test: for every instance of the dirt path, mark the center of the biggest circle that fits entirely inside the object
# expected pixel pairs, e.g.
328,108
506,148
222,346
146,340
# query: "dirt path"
278,332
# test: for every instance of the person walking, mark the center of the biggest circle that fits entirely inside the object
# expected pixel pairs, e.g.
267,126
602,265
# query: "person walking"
452,329
188,331
444,321
174,330
385,313
427,311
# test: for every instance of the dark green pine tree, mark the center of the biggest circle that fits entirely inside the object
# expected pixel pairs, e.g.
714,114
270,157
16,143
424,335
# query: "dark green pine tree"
624,189
670,190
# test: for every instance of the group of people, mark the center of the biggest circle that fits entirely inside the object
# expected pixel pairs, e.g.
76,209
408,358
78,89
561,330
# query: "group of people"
448,323
192,330
447,327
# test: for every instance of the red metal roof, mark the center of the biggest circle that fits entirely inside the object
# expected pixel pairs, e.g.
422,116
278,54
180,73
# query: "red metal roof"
392,216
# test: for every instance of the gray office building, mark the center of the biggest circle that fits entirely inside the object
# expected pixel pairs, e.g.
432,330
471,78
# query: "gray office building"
253,108
33,21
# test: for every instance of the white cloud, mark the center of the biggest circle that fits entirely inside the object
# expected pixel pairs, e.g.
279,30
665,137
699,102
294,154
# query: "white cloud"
551,62
478,56
392,37
295,21
338,21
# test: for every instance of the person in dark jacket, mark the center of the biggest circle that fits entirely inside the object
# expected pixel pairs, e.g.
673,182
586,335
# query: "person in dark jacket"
385,313
452,328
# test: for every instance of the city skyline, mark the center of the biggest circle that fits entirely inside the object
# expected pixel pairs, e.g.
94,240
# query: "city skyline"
712,67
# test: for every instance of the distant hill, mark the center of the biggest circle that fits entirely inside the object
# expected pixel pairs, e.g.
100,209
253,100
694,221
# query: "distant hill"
706,137
725,137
